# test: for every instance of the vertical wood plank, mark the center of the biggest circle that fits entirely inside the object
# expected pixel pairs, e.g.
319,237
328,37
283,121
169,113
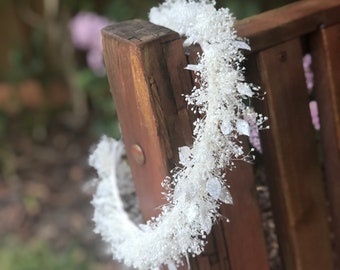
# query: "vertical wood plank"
240,243
290,154
141,87
325,47
203,263
244,236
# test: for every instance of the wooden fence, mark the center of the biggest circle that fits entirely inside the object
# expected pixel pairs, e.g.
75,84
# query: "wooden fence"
145,66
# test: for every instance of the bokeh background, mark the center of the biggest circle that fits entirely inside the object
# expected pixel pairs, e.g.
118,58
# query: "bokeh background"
54,105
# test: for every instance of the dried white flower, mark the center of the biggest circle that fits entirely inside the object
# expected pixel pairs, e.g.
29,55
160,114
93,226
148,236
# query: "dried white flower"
242,127
213,187
196,189
244,89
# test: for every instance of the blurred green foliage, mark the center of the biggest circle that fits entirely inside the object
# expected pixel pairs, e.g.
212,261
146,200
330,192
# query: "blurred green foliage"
245,8
39,255
32,65
128,9
3,122
97,89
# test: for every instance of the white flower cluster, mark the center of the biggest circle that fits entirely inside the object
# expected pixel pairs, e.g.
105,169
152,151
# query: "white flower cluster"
197,187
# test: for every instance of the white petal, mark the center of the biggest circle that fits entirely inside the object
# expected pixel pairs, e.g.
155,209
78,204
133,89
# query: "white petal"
225,196
171,266
244,89
192,67
242,127
189,41
184,155
226,127
213,187
241,45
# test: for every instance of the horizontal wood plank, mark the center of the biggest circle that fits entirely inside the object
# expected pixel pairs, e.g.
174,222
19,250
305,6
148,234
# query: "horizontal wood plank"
288,22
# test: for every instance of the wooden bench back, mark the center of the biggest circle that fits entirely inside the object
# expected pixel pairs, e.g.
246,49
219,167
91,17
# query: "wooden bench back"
145,66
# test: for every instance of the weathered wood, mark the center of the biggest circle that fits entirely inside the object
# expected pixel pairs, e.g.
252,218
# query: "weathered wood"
290,154
325,47
141,87
288,22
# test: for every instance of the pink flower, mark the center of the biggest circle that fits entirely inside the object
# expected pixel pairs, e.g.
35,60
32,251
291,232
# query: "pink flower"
85,34
254,136
309,76
313,107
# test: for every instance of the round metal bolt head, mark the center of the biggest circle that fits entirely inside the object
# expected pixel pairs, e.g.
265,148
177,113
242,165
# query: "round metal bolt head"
137,154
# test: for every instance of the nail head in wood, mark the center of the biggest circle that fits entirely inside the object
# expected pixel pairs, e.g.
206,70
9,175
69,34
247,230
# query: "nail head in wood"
137,154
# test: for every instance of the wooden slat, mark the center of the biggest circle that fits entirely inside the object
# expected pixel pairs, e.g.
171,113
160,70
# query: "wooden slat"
203,263
141,87
218,259
291,21
240,243
243,235
325,46
290,154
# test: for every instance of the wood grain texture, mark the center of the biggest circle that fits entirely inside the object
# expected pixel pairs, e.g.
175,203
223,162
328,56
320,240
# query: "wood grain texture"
325,47
294,174
141,85
288,22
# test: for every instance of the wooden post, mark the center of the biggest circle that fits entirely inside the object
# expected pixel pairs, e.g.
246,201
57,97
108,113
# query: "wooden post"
139,58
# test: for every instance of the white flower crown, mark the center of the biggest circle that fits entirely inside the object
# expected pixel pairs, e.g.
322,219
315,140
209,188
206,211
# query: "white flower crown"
197,187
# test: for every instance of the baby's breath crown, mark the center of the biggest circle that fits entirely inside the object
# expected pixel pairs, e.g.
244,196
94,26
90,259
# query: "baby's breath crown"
197,187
